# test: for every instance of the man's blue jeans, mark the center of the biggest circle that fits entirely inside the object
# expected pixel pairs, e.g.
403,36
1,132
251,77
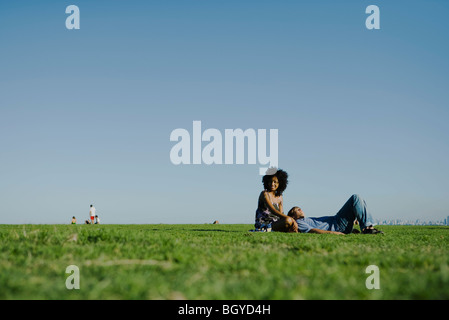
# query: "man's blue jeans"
354,208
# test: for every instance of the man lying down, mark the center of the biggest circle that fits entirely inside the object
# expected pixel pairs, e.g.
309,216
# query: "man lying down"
354,209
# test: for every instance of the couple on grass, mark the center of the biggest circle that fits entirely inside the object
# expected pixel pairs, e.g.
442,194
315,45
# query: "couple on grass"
270,212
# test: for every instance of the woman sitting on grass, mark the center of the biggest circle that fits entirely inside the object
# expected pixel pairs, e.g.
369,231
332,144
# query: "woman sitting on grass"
270,213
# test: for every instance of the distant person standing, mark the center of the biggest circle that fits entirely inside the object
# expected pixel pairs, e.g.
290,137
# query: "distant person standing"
97,220
92,214
73,220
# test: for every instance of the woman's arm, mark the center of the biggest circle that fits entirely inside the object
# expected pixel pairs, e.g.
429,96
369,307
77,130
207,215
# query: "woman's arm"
270,206
281,205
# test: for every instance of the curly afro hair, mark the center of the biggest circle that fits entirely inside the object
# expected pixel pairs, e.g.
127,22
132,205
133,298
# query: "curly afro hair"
283,181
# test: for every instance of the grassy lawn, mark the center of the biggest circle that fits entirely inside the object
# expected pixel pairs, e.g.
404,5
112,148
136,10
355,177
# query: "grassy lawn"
220,262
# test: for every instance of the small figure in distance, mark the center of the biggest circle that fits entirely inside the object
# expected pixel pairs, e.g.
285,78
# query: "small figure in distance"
97,220
73,220
92,214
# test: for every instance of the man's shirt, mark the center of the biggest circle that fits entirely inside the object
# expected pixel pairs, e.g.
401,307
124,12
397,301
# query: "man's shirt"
327,223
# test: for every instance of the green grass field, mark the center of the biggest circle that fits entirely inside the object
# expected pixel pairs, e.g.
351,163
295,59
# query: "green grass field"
220,262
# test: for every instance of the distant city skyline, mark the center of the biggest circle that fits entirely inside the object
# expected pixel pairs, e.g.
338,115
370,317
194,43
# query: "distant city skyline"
418,222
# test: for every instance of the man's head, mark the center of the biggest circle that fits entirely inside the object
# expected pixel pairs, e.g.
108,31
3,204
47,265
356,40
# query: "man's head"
296,213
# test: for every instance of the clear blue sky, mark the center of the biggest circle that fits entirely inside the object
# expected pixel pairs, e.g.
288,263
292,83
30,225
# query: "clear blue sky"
86,115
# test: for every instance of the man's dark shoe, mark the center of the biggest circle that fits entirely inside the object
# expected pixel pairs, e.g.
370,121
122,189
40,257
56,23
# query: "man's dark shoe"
371,231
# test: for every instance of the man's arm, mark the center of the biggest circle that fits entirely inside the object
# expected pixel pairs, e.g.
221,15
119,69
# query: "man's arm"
319,231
